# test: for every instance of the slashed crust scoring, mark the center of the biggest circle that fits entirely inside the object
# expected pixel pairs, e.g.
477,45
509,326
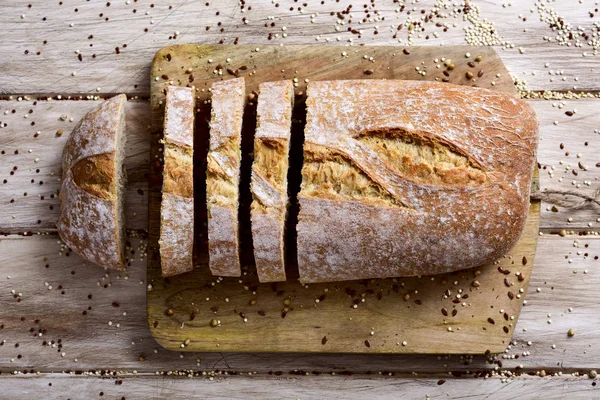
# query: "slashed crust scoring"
223,175
177,207
88,218
430,178
269,178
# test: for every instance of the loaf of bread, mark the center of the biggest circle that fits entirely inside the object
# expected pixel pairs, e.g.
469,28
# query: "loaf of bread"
176,240
223,176
91,218
406,178
269,178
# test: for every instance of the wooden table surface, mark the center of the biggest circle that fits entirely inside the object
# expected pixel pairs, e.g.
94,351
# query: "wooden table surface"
71,330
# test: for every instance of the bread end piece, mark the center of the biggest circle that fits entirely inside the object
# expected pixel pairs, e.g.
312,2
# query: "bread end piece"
176,240
269,178
223,176
92,219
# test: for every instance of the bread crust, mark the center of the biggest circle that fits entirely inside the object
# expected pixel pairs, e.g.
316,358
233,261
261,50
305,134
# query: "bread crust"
88,221
176,240
469,210
223,176
269,178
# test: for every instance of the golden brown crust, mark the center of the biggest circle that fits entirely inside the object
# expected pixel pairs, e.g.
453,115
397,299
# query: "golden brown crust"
456,160
96,175
178,171
89,222
177,206
223,176
269,178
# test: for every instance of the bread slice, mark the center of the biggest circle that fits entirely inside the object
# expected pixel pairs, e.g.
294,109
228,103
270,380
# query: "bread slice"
223,176
269,178
408,178
177,206
92,221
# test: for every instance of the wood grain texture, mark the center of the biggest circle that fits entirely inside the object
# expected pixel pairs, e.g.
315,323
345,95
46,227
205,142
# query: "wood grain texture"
95,344
30,143
304,387
108,66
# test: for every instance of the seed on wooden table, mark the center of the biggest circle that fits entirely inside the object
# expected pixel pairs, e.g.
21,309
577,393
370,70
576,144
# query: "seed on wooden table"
480,73
593,374
521,277
491,321
214,322
511,295
405,51
471,64
444,312
454,312
187,342
59,132
478,58
368,72
170,312
505,329
569,113
367,343
469,75
506,282
407,297
571,332
563,232
475,284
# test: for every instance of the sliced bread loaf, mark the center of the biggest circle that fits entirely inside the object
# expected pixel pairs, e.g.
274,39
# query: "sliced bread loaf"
269,178
92,219
177,206
223,176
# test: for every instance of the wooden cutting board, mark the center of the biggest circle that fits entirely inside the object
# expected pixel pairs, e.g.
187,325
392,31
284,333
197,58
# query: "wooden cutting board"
468,312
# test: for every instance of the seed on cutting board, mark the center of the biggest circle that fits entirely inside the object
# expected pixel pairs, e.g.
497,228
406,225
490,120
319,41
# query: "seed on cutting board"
444,312
480,73
571,332
59,132
170,312
475,283
471,64
214,322
506,282
369,72
469,75
478,58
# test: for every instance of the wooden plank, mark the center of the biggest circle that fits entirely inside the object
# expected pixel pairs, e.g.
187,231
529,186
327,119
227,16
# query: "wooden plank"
104,69
31,154
568,143
303,387
95,344
18,134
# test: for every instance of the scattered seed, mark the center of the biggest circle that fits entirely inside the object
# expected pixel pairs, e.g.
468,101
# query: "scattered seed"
571,332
